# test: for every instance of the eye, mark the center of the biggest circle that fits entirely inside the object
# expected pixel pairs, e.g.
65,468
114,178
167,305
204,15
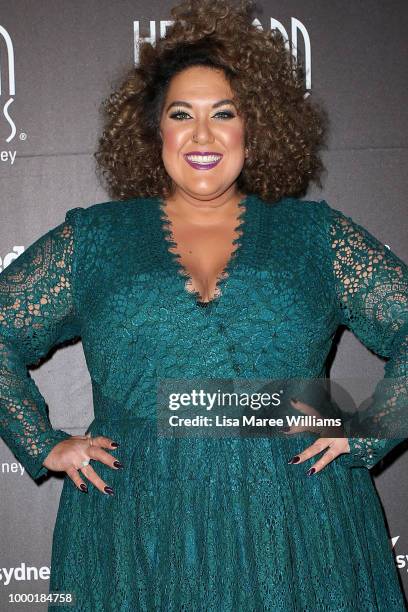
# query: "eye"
227,114
177,113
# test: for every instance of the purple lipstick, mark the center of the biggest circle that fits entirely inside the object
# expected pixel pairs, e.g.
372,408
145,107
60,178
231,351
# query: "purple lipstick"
203,161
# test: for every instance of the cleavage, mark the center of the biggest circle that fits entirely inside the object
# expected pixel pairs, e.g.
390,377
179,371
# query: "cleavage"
204,254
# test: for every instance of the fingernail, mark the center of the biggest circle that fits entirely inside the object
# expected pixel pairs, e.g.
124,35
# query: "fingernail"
294,400
311,471
83,487
114,444
294,459
118,464
285,428
108,490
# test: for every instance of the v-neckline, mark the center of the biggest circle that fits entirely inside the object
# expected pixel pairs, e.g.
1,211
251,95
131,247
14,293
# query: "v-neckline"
245,206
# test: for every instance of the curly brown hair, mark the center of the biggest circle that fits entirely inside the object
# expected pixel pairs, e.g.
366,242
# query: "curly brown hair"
284,128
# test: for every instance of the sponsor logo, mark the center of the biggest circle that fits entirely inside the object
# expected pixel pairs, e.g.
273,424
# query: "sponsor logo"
11,467
401,560
9,257
23,573
298,32
7,95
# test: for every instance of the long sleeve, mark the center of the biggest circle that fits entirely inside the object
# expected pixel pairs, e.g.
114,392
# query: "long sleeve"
37,312
371,289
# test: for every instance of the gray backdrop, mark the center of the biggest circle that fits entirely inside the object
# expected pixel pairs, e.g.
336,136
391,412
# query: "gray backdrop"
66,55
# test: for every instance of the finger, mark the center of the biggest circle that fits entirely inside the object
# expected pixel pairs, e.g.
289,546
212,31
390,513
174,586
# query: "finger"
327,458
335,447
103,442
97,453
306,408
296,429
300,428
317,447
75,476
334,431
96,480
293,429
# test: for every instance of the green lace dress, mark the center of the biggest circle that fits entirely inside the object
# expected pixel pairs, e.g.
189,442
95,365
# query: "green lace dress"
201,524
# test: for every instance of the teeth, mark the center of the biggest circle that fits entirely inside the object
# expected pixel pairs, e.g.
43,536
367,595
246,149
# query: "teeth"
204,159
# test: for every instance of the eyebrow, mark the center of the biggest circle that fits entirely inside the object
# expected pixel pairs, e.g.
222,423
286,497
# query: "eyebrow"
183,103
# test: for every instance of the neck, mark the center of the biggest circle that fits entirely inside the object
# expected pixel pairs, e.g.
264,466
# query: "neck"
203,211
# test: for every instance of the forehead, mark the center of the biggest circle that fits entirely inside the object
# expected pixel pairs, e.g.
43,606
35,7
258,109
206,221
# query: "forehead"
200,82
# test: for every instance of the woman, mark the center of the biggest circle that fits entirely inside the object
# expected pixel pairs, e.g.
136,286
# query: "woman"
205,268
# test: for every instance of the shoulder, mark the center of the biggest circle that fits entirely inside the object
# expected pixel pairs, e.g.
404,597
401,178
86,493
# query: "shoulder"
112,221
339,233
296,208
301,216
313,209
105,230
108,212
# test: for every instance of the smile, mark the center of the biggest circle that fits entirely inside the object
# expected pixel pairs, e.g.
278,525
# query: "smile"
201,161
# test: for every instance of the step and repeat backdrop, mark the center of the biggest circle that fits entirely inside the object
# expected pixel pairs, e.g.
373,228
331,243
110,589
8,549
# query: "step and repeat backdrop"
58,60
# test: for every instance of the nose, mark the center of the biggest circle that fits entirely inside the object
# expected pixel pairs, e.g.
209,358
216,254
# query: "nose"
202,133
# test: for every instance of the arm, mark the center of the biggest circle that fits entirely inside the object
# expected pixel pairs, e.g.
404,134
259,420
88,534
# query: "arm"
371,292
37,312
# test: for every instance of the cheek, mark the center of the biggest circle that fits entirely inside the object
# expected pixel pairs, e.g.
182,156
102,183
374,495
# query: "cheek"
236,138
232,137
172,139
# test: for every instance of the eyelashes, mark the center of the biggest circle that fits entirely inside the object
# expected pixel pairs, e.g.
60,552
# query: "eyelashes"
227,114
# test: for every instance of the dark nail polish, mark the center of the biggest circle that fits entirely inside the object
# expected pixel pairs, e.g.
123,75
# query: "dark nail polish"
285,428
108,490
114,444
294,400
83,487
118,464
294,459
311,471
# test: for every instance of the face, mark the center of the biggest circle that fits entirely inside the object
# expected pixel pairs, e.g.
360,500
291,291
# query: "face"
196,119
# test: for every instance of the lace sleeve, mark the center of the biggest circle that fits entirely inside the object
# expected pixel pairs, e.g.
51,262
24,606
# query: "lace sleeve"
371,288
37,312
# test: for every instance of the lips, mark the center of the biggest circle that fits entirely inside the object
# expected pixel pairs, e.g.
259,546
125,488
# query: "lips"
210,160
